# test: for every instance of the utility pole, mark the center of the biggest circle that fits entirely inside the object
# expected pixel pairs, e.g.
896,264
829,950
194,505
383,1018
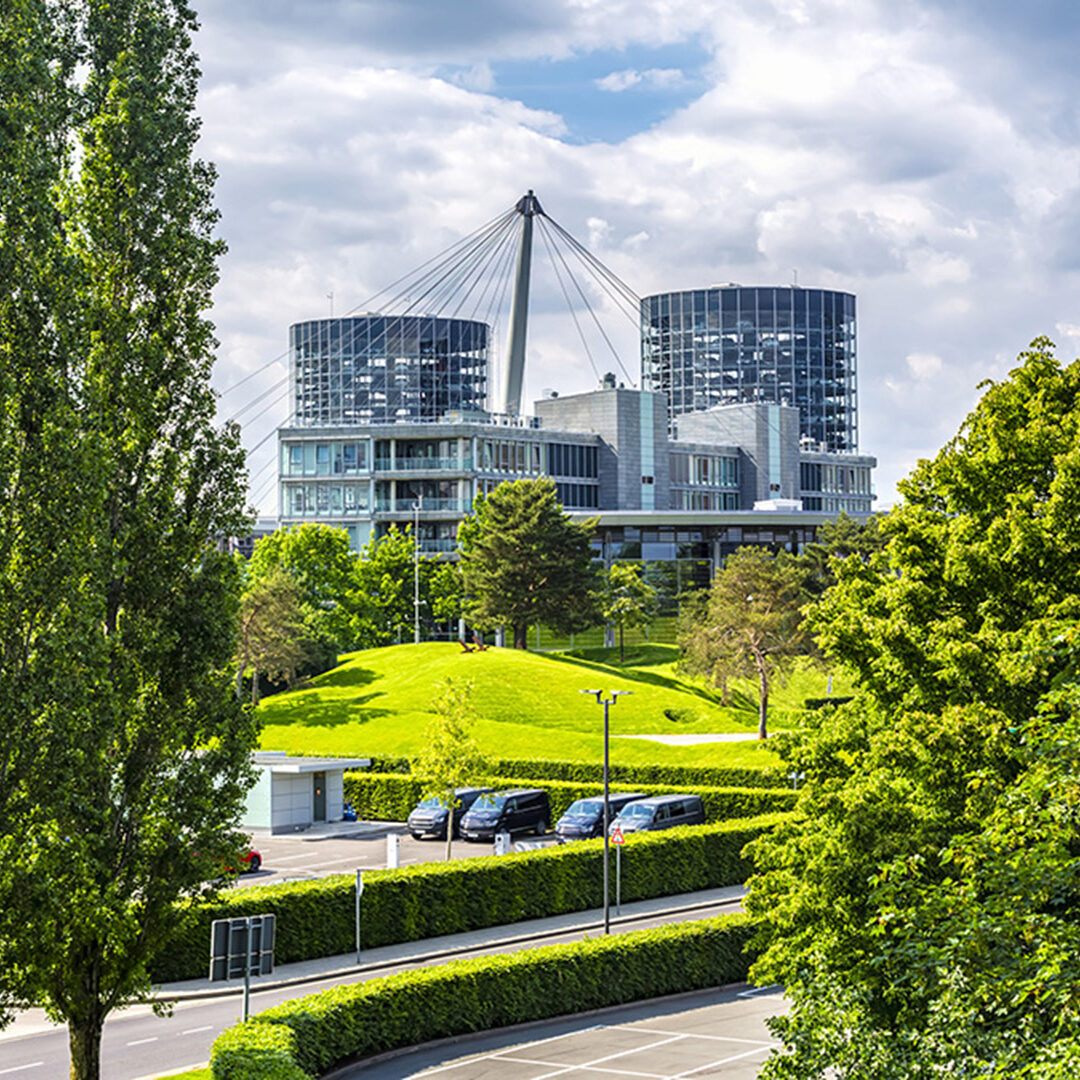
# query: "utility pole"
599,695
416,570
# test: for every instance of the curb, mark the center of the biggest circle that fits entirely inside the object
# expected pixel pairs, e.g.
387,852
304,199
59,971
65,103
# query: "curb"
423,958
344,1072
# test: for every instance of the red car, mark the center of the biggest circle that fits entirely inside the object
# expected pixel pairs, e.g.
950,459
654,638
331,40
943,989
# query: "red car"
250,862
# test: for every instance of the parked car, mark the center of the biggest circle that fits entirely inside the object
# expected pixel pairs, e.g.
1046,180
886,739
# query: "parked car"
428,817
515,811
661,812
250,862
585,817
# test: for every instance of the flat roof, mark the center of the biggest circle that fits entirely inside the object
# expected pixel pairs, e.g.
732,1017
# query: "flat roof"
283,763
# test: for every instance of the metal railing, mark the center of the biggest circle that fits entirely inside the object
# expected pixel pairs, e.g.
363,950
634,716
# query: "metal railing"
408,506
432,464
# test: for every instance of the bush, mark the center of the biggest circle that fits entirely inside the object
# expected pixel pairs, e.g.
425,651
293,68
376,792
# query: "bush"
390,796
490,992
591,772
317,918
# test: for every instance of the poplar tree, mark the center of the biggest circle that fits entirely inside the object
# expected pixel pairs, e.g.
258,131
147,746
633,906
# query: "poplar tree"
126,757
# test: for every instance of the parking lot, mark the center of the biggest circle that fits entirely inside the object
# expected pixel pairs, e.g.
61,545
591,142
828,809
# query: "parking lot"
345,848
716,1033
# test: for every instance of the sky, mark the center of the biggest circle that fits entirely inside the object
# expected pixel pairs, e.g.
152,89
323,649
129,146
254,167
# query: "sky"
922,154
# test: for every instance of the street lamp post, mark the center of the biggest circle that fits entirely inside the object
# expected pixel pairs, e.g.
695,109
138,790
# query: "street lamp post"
416,569
607,703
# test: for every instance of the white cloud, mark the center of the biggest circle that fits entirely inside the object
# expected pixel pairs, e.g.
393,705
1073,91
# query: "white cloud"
655,78
860,142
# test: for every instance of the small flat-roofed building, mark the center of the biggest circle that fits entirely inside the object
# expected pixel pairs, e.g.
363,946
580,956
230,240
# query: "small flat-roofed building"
293,793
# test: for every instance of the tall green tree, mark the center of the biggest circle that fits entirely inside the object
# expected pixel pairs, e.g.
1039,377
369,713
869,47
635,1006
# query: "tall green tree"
523,561
450,758
384,583
629,600
128,770
920,907
839,538
272,639
319,559
750,620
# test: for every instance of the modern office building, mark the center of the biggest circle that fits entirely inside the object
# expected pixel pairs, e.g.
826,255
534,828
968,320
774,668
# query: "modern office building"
384,368
731,344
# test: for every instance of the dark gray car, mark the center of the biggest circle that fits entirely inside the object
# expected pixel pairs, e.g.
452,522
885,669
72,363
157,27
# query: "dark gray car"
515,811
428,817
661,812
585,817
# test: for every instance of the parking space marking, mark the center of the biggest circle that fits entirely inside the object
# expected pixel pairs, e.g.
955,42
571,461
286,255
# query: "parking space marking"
600,1060
700,1069
697,1035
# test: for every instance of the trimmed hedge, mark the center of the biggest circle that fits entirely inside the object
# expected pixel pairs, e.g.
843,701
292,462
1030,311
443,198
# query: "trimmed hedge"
391,796
317,918
308,1036
591,772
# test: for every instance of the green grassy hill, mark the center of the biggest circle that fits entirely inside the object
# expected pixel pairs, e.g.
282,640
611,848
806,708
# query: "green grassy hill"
376,703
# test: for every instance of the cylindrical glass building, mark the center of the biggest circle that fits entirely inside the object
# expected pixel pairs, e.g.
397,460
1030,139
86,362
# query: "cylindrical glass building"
383,368
729,344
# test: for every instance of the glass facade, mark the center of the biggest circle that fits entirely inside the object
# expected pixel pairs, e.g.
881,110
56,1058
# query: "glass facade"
731,344
377,369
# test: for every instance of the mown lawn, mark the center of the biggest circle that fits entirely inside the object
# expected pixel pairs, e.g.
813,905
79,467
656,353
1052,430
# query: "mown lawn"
376,703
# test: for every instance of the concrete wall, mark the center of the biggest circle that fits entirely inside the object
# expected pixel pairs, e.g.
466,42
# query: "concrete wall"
335,794
293,801
257,812
633,427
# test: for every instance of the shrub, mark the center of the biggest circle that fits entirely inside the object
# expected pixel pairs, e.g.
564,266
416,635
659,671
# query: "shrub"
590,772
317,918
491,992
390,796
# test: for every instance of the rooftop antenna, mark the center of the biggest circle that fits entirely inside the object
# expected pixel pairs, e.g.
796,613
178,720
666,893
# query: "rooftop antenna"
330,297
794,277
528,206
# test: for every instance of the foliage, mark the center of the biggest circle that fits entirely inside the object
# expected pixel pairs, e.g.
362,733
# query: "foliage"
317,918
495,991
390,796
450,758
125,769
591,772
523,561
629,600
749,620
920,905
272,636
839,538
383,580
252,1050
321,563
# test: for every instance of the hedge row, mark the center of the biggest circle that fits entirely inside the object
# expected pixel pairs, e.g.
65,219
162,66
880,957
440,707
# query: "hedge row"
591,772
391,796
308,1036
317,918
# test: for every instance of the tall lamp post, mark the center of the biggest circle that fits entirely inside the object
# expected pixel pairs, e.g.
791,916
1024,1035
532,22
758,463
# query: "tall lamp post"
607,703
416,569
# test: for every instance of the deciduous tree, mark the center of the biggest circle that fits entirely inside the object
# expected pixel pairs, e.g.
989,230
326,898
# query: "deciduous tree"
450,758
749,620
629,600
523,561
919,909
273,632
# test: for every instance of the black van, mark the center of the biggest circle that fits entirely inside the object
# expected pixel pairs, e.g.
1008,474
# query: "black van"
514,811
661,812
428,817
585,817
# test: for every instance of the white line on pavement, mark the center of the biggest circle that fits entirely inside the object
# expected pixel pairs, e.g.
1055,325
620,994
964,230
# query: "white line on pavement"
195,1031
19,1068
720,1061
140,1042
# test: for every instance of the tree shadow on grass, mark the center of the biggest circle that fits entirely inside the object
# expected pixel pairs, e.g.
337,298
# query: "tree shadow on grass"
310,710
352,675
665,682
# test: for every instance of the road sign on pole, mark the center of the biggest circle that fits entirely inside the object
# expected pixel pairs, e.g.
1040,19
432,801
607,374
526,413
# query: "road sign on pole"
359,893
242,947
617,836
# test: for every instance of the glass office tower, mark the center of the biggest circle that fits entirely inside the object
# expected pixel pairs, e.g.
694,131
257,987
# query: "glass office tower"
728,344
384,368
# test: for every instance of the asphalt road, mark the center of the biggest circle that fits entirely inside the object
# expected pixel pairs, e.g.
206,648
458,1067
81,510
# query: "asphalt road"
299,858
715,1033
138,1045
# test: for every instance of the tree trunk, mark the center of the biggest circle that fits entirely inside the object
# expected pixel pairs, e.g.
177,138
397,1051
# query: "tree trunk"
763,703
254,686
521,636
622,654
240,682
84,1042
